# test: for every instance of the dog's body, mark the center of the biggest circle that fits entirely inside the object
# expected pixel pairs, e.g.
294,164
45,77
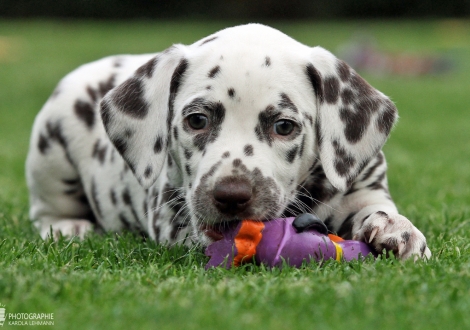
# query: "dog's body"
246,123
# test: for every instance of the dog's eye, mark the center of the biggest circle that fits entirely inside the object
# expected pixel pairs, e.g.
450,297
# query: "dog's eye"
197,121
284,127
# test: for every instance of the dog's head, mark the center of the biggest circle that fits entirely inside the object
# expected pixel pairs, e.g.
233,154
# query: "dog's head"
244,114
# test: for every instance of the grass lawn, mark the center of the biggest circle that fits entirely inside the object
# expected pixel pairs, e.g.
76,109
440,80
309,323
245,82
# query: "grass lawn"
123,282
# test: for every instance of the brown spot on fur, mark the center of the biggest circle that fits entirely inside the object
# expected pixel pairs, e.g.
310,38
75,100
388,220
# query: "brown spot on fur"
287,103
99,152
213,72
331,89
315,79
129,98
267,61
85,112
148,171
344,161
343,70
248,150
148,68
43,144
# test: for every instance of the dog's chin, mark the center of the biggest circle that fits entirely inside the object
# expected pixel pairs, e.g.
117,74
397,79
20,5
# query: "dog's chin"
214,232
211,232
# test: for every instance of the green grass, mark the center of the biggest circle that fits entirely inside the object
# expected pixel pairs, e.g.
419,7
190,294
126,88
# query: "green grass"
123,282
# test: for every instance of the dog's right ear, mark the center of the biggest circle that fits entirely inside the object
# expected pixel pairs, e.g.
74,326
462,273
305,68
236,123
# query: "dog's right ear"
352,121
137,114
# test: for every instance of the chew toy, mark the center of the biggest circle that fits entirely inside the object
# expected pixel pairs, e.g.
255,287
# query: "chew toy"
290,240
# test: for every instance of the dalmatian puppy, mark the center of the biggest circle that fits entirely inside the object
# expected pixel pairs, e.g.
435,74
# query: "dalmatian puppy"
244,124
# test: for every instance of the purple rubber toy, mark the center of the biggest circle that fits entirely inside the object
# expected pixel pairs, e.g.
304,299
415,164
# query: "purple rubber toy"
293,240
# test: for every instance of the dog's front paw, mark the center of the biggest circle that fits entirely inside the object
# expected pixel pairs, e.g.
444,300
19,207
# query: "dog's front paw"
67,228
393,232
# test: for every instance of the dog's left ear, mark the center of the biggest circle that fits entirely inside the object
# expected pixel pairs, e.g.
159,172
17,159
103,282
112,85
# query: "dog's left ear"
353,119
137,114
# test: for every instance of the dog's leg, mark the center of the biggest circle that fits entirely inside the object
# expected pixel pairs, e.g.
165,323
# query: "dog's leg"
57,199
367,213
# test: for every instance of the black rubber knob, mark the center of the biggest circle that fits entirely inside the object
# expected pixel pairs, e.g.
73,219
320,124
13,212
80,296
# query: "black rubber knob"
307,220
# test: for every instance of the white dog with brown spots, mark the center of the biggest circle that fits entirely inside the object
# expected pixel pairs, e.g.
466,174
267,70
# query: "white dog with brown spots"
244,124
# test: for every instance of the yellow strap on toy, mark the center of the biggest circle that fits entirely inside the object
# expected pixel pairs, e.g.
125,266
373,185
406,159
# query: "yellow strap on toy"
339,251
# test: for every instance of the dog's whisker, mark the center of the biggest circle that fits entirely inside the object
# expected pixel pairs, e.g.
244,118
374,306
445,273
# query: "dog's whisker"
166,203
183,208
309,196
155,199
298,202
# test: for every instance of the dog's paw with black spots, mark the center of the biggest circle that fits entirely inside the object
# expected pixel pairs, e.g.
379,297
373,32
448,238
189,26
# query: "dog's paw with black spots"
393,232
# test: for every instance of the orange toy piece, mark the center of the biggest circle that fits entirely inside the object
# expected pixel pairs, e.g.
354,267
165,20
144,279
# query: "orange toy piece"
335,238
247,240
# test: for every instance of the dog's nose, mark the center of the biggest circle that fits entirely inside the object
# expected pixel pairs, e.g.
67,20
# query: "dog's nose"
232,195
